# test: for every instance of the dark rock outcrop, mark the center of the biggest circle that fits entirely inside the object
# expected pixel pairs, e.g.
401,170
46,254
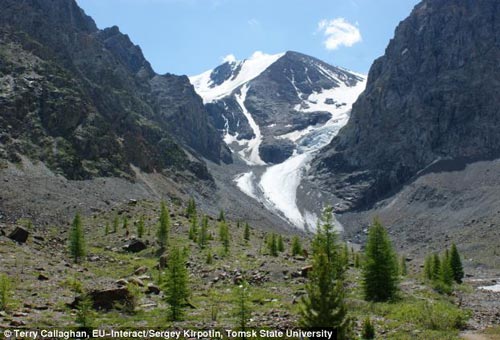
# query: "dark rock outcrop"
134,246
19,235
433,95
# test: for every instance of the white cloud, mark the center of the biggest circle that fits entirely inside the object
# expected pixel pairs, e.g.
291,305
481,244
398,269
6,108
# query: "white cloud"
229,58
254,23
339,32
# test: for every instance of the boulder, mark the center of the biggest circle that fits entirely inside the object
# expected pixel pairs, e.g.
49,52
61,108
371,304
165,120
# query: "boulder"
42,277
19,235
141,270
107,299
152,289
135,246
304,271
136,281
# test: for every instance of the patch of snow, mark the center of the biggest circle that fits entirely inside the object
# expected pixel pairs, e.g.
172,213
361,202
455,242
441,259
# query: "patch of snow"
246,184
494,288
251,154
250,69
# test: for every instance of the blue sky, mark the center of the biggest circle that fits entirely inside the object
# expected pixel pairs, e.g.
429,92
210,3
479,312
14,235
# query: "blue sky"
192,36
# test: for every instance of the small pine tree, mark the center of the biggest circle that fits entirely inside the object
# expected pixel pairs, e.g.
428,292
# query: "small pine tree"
273,245
163,226
404,270
436,267
224,235
446,272
115,224
243,310
221,217
246,233
280,244
323,307
203,237
176,283
125,223
210,258
193,228
357,260
85,315
191,207
296,246
140,227
428,270
4,291
456,264
106,229
77,239
380,270
368,331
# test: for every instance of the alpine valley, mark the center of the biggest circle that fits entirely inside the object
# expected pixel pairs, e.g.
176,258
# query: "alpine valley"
229,177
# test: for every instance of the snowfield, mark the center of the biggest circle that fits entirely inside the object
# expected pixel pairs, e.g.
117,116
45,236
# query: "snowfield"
250,69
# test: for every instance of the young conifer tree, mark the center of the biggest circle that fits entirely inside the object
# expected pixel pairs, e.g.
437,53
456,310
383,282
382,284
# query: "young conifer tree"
176,287
296,246
203,236
140,227
224,235
77,239
246,233
163,226
243,310
323,306
280,244
456,264
380,270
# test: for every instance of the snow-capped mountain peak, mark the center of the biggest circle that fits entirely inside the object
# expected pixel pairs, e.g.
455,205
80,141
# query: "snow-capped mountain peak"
276,112
224,79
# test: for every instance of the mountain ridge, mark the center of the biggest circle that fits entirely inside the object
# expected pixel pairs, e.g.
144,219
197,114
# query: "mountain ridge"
94,103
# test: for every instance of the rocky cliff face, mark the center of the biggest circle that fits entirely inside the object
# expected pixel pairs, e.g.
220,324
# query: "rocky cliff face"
433,95
86,101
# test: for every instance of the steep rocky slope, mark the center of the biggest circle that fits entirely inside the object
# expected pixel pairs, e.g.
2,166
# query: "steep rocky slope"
87,103
433,95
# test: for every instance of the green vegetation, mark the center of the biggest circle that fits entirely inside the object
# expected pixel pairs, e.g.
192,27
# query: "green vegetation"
456,264
368,331
380,269
243,310
4,291
140,227
224,235
280,244
246,234
176,283
85,315
272,245
203,237
77,239
444,271
296,246
163,227
324,305
207,289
